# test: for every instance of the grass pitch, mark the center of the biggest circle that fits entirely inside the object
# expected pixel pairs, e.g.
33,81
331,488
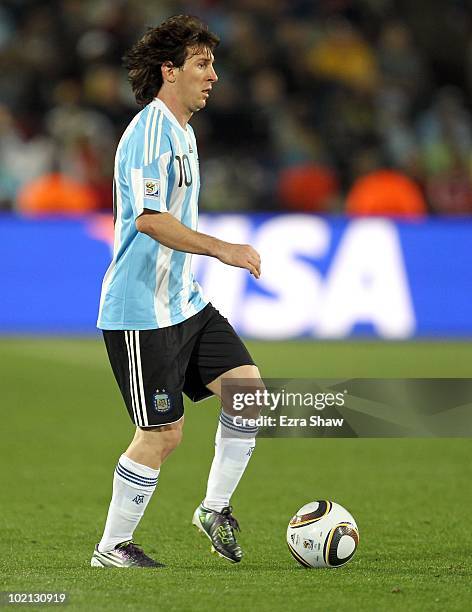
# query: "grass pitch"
64,427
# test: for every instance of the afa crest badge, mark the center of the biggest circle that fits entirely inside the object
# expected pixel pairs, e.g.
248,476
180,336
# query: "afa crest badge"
161,401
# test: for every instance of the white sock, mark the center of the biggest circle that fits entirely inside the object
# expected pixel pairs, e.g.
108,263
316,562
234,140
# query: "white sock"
133,485
233,449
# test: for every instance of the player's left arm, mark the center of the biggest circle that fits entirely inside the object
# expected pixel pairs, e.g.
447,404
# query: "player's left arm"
167,230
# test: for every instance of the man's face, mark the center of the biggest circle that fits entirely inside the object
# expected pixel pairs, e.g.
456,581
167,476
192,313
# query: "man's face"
195,79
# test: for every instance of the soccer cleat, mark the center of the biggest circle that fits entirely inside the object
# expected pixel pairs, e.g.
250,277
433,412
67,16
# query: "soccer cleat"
219,528
126,554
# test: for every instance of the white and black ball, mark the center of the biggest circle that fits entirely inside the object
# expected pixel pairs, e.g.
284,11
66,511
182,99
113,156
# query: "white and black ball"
322,534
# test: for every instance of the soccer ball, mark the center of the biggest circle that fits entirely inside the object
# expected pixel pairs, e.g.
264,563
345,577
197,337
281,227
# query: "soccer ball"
322,534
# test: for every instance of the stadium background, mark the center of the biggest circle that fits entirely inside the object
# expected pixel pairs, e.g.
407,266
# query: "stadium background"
338,142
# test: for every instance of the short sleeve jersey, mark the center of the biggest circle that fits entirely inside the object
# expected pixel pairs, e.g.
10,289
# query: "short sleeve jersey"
147,284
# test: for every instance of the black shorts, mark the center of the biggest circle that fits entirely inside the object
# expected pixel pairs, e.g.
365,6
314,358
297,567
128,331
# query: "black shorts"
153,367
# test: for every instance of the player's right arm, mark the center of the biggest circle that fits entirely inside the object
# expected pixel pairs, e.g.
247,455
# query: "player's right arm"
167,230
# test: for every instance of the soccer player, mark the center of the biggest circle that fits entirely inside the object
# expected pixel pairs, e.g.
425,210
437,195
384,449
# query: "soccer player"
162,337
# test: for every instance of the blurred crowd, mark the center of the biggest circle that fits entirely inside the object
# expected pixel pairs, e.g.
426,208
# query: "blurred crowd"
330,106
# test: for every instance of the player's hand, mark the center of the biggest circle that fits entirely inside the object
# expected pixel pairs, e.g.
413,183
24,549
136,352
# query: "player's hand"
241,256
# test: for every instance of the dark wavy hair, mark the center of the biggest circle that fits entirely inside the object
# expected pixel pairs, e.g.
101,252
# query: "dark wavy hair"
168,42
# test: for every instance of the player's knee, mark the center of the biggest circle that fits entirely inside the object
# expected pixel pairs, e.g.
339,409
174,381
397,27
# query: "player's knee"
172,439
159,441
244,392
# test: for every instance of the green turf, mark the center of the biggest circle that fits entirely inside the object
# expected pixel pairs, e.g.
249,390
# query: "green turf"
64,426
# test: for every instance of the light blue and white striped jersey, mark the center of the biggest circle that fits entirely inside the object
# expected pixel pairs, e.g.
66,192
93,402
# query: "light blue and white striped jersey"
148,285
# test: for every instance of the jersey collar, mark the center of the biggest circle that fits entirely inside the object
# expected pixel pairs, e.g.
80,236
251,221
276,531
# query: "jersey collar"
168,113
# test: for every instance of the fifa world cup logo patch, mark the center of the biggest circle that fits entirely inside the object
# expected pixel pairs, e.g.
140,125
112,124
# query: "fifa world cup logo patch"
151,188
161,401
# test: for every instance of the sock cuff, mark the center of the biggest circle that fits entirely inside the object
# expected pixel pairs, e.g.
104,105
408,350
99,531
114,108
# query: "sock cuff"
138,468
232,429
136,474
